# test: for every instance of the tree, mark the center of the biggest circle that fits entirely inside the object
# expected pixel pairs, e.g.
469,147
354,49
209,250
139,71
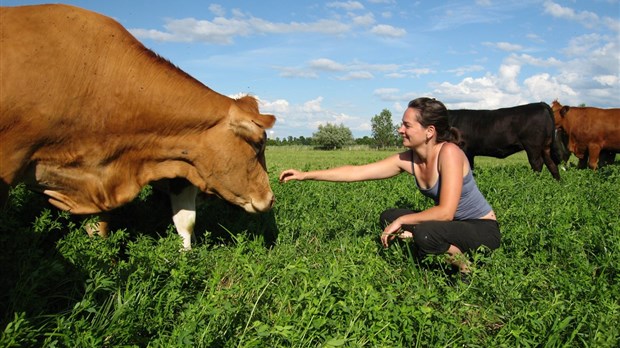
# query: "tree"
330,136
365,140
384,132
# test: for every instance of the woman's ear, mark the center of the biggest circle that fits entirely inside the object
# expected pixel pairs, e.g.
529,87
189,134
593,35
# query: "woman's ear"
430,131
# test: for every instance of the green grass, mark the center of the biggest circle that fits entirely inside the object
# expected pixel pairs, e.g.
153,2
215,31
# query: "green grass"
312,273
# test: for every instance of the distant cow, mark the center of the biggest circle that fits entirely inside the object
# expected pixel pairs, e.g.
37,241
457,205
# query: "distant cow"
503,132
590,130
561,139
88,116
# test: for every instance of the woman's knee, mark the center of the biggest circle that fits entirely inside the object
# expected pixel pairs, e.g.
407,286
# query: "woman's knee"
429,242
420,237
388,216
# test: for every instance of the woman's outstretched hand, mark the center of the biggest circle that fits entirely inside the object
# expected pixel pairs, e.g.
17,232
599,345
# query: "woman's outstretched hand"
291,174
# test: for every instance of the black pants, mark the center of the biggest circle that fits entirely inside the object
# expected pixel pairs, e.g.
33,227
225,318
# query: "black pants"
435,237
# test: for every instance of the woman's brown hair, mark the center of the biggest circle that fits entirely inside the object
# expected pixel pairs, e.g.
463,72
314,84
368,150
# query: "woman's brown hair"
434,113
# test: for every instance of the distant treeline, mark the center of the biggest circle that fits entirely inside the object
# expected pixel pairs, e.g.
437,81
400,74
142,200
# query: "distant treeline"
309,141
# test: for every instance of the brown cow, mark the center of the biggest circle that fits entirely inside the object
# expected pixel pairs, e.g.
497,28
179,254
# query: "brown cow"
590,130
88,116
561,140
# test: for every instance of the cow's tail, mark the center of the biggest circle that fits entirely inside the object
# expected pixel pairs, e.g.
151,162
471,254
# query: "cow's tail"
555,152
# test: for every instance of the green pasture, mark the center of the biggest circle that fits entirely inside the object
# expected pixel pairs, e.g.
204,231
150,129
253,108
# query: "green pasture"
312,272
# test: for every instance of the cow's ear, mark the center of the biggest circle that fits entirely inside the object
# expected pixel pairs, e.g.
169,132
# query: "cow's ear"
249,125
564,110
264,121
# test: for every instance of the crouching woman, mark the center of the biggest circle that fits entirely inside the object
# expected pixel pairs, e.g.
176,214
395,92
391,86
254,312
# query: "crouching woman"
461,219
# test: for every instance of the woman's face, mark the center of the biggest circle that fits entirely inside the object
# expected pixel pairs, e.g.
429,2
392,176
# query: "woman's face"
412,132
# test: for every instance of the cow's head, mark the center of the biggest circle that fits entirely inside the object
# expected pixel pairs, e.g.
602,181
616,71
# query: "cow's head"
560,142
559,113
232,159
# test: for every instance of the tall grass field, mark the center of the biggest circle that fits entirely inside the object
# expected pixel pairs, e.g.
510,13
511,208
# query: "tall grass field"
312,272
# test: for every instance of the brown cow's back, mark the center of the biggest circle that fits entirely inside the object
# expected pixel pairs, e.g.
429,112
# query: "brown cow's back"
73,80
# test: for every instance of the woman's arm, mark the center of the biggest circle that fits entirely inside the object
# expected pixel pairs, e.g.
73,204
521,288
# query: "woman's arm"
382,169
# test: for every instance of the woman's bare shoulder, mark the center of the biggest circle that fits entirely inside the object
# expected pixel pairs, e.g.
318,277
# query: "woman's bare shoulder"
451,155
451,148
402,160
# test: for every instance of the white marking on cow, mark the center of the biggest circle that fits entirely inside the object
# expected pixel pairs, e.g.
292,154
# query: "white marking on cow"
184,213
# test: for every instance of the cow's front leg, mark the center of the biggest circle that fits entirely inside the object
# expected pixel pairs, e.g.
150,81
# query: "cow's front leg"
582,156
593,151
100,226
183,204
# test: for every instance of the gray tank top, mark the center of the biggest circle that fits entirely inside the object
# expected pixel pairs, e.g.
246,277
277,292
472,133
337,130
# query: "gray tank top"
472,204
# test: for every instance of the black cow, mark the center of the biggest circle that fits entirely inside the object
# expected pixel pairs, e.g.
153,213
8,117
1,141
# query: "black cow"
503,132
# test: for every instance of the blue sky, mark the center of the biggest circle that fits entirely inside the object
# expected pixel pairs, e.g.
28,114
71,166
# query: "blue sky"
342,62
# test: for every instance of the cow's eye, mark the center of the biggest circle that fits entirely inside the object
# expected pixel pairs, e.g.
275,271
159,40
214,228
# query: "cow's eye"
259,147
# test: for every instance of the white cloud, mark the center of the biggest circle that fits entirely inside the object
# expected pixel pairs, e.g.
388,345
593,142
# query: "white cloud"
342,118
312,105
523,59
356,70
301,118
590,65
388,31
357,75
322,26
218,31
348,5
399,109
417,72
394,95
504,46
296,72
357,65
505,88
586,18
607,80
612,23
460,71
576,81
493,91
507,77
451,15
474,93
547,88
364,20
156,35
222,30
326,64
276,107
384,91
217,10
535,38
395,75
583,45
